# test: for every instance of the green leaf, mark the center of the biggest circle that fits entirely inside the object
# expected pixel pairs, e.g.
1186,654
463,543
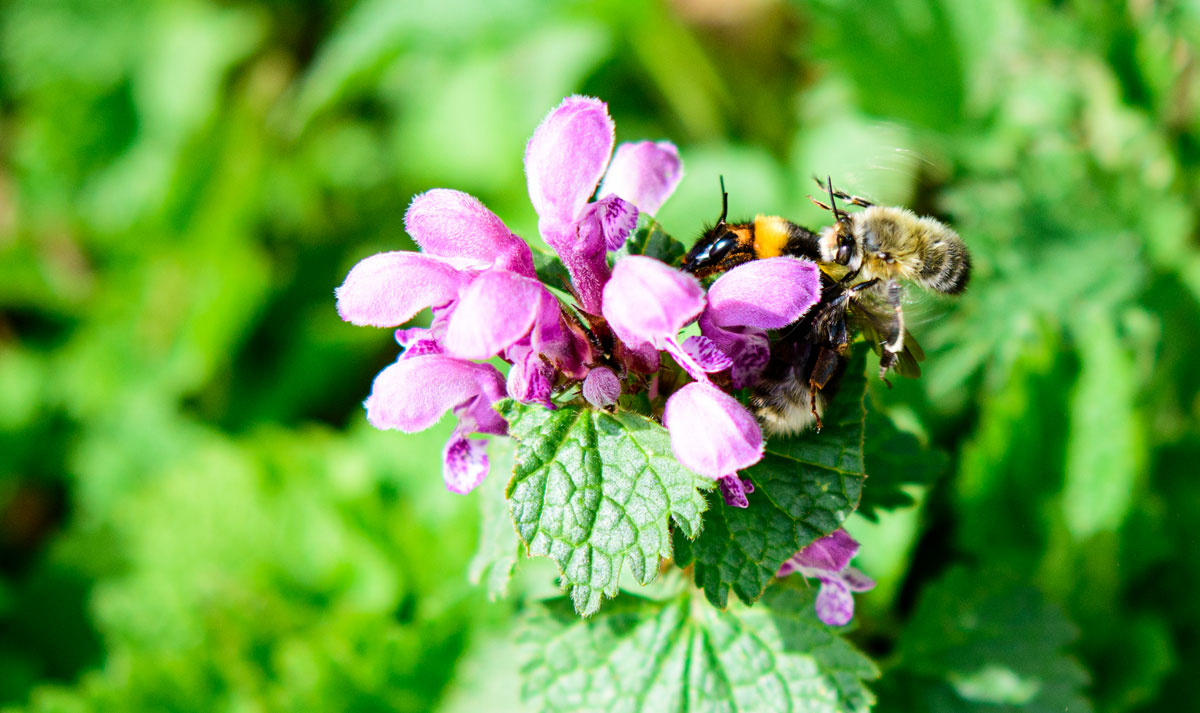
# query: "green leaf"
980,640
894,459
550,270
650,240
804,488
593,490
642,655
496,557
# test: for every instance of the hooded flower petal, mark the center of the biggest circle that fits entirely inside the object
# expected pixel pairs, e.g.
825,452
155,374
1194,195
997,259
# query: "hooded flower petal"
412,394
835,604
649,301
601,387
832,552
464,463
856,580
496,311
769,294
644,173
566,158
711,433
388,289
455,224
608,220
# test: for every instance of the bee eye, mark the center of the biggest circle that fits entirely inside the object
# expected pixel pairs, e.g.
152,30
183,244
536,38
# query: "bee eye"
722,247
843,254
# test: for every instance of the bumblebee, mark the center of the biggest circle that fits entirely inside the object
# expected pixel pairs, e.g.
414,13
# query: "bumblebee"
863,257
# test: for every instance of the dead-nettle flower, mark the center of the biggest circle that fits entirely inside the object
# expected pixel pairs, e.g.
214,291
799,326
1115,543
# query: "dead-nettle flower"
478,278
649,302
828,559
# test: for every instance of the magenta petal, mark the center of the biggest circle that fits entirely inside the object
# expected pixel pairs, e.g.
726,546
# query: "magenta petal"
567,156
706,354
832,552
649,301
835,604
455,224
388,289
644,173
464,464
530,380
711,433
608,220
769,294
747,348
496,310
412,394
734,490
601,387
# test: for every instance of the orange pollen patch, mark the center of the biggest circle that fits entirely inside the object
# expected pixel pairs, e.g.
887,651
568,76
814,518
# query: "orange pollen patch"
770,236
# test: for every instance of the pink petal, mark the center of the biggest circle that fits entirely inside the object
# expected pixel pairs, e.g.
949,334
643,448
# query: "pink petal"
601,387
464,464
455,224
644,173
608,221
856,580
711,433
567,156
649,301
388,289
835,604
832,552
769,294
496,310
412,394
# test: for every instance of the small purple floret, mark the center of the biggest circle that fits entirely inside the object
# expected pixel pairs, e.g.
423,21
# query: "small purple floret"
828,559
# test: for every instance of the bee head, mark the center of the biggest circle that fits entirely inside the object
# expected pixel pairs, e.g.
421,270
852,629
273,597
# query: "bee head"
720,247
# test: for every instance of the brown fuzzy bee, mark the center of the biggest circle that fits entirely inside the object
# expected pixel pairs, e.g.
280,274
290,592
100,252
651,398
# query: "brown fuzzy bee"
864,257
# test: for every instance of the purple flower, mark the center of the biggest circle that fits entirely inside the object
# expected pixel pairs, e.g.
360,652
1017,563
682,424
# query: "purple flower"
564,162
828,559
647,302
752,298
413,394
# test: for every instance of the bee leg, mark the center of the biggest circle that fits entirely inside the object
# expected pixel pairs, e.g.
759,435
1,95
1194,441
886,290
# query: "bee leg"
822,372
894,343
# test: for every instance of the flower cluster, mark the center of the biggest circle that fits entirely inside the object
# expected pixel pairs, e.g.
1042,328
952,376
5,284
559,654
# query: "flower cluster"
478,279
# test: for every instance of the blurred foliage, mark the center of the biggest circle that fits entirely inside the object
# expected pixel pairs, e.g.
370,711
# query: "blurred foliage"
194,515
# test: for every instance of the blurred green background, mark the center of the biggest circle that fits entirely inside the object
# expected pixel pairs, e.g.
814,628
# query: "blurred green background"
194,515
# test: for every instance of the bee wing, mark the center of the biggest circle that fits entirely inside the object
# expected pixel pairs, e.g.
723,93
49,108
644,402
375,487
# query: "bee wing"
874,317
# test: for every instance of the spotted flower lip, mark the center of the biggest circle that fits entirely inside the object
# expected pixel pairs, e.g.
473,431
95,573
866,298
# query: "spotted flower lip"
828,559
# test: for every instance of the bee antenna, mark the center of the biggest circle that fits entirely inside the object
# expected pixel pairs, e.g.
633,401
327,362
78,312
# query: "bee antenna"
838,215
724,202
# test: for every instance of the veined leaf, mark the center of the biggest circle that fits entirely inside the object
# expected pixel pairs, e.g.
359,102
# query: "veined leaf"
642,655
804,488
594,490
650,240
